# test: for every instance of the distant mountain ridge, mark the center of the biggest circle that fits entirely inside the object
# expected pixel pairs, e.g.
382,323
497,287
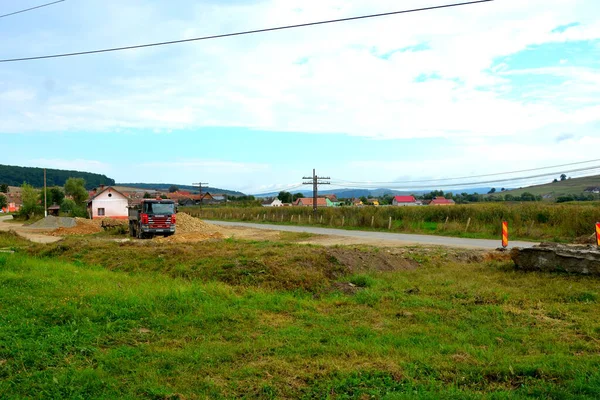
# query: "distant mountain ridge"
13,175
355,193
165,187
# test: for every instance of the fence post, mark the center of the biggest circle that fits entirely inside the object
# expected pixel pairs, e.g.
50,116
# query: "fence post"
282,217
309,219
468,223
299,219
372,220
292,218
343,219
390,224
446,221
321,220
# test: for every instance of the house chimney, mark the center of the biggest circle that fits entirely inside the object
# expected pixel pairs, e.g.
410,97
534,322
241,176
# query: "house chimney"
101,187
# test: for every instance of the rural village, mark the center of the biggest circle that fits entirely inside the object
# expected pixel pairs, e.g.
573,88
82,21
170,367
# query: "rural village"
450,250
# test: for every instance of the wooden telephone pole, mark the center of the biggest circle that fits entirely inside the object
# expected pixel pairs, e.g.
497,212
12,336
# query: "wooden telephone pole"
316,181
199,185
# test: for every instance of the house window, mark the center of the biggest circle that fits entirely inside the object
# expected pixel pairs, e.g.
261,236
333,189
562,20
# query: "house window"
101,212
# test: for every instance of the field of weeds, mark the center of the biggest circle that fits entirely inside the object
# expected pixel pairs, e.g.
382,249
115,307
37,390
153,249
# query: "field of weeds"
527,221
91,318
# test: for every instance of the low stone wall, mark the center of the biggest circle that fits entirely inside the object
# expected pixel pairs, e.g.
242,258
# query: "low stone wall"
552,257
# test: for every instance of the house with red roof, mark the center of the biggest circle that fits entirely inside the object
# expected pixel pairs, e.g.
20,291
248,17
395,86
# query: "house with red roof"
405,201
308,202
441,201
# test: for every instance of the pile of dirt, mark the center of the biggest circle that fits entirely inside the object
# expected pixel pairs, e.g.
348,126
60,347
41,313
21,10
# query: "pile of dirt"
82,227
187,224
52,222
190,237
356,260
591,239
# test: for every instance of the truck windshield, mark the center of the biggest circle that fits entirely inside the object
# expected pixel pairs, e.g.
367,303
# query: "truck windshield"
159,208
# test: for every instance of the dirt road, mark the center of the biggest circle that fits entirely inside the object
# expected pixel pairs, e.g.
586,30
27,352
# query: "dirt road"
382,239
35,235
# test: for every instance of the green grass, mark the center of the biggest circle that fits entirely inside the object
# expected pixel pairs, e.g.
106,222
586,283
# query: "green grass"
535,221
557,189
76,325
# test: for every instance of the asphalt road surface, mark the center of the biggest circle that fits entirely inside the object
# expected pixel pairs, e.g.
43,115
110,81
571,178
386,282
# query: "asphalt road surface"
374,237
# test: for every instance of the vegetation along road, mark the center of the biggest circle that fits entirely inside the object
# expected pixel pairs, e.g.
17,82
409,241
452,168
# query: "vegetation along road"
377,237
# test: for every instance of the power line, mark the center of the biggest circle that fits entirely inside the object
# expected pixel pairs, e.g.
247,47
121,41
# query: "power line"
472,176
418,186
331,21
32,8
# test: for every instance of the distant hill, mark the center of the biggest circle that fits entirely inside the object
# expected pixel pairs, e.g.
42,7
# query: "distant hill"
165,187
355,193
15,176
556,189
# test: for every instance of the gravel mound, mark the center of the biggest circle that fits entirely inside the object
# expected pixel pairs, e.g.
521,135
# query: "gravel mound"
52,222
188,224
190,237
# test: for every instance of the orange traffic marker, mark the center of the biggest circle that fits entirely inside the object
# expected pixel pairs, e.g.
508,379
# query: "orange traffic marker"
598,233
505,234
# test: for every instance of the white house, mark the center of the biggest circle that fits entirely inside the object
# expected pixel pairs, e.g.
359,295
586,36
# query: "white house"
275,203
108,203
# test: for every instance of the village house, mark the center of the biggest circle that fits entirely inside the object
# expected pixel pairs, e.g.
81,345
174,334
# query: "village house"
272,203
403,201
308,202
13,198
592,189
108,203
441,201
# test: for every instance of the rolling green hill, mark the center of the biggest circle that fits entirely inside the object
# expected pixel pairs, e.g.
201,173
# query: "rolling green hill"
15,176
556,189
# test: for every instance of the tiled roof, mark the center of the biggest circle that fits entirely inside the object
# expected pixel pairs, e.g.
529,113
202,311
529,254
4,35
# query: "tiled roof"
404,199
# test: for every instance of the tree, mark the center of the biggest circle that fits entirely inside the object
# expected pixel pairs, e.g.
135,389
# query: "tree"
526,196
285,197
54,195
364,200
3,201
555,180
75,187
492,190
563,177
30,199
164,196
4,188
297,196
173,189
147,195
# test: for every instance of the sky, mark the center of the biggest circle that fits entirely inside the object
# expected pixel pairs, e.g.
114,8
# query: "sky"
500,86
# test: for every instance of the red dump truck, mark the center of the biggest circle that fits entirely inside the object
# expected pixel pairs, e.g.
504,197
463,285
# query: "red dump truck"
152,217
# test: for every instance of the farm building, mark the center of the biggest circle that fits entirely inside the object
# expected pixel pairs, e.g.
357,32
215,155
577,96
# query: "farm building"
441,201
405,201
108,203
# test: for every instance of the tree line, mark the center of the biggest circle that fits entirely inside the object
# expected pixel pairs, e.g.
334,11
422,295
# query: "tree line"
15,176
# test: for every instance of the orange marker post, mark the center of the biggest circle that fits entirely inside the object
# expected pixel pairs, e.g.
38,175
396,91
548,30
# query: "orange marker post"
598,234
504,234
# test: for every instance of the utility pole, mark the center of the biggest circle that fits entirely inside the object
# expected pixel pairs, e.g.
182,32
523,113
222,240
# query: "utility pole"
45,195
316,181
199,185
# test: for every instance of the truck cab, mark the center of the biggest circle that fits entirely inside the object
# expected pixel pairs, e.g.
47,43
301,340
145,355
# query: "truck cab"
152,217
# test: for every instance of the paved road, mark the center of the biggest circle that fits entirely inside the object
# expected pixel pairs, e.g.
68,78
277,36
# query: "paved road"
373,237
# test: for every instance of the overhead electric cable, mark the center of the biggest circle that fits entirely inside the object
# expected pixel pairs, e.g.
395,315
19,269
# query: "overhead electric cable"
473,176
279,28
30,9
418,186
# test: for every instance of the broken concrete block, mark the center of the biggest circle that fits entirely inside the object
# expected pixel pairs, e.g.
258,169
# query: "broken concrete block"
552,257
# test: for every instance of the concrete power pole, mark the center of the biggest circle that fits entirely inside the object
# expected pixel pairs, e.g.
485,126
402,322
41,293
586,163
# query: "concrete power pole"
45,195
316,181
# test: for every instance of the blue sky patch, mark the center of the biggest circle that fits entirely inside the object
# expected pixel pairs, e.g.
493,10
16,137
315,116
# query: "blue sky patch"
562,28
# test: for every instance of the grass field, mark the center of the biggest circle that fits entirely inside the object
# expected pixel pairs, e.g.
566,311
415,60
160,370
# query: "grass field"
560,188
89,318
527,221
